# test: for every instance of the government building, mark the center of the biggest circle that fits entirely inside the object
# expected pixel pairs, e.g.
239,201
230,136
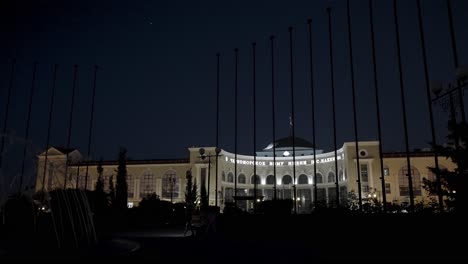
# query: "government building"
167,178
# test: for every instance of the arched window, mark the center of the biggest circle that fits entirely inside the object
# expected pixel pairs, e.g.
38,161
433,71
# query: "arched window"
252,179
303,179
170,185
130,185
341,176
241,178
404,183
223,176
230,177
331,177
319,178
270,180
286,179
147,184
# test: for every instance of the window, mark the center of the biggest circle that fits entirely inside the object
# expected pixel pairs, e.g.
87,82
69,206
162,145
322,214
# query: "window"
386,171
130,186
341,176
241,178
229,195
365,188
223,176
404,182
170,185
286,179
343,194
303,179
270,180
319,178
230,177
331,176
332,196
148,184
364,173
252,179
388,190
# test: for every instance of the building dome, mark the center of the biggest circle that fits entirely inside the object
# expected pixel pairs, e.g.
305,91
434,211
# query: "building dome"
287,143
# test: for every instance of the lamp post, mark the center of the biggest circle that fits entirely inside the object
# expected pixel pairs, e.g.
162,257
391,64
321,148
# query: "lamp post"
201,151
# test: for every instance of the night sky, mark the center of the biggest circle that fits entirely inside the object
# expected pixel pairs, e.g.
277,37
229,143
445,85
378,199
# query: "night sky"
156,83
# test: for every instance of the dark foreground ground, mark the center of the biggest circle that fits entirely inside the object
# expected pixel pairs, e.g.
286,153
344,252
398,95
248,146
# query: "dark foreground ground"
278,239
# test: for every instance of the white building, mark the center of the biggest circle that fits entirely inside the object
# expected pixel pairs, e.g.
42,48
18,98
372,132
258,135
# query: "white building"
167,178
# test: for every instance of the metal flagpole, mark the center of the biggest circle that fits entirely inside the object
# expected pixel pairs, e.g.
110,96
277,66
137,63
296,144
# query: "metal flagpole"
28,122
235,128
429,104
75,72
377,106
7,110
90,127
254,128
353,90
217,127
51,110
403,106
292,116
273,112
309,22
333,107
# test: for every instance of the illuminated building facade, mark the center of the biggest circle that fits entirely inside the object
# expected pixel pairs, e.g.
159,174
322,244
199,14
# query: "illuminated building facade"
167,178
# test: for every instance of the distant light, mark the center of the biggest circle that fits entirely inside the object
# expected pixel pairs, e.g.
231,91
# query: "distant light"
298,199
258,200
375,195
286,153
454,191
130,205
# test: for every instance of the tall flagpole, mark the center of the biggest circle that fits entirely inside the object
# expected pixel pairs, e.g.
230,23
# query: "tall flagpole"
377,106
292,116
273,112
254,127
353,90
403,106
91,127
235,128
332,83
217,127
28,122
7,110
51,110
70,123
309,22
429,104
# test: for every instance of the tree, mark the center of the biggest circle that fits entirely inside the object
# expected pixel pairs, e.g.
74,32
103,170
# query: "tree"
190,190
112,190
203,197
121,186
453,183
101,201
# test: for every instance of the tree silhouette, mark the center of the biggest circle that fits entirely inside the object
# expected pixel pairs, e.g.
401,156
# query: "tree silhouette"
121,196
453,183
111,190
100,197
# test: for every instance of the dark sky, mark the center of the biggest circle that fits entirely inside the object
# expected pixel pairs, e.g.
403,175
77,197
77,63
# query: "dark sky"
156,82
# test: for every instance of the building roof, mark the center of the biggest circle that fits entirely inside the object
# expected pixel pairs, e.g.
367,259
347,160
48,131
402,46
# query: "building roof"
135,162
287,142
64,150
412,154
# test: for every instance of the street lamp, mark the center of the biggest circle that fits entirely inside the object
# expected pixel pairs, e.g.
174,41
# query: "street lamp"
201,151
